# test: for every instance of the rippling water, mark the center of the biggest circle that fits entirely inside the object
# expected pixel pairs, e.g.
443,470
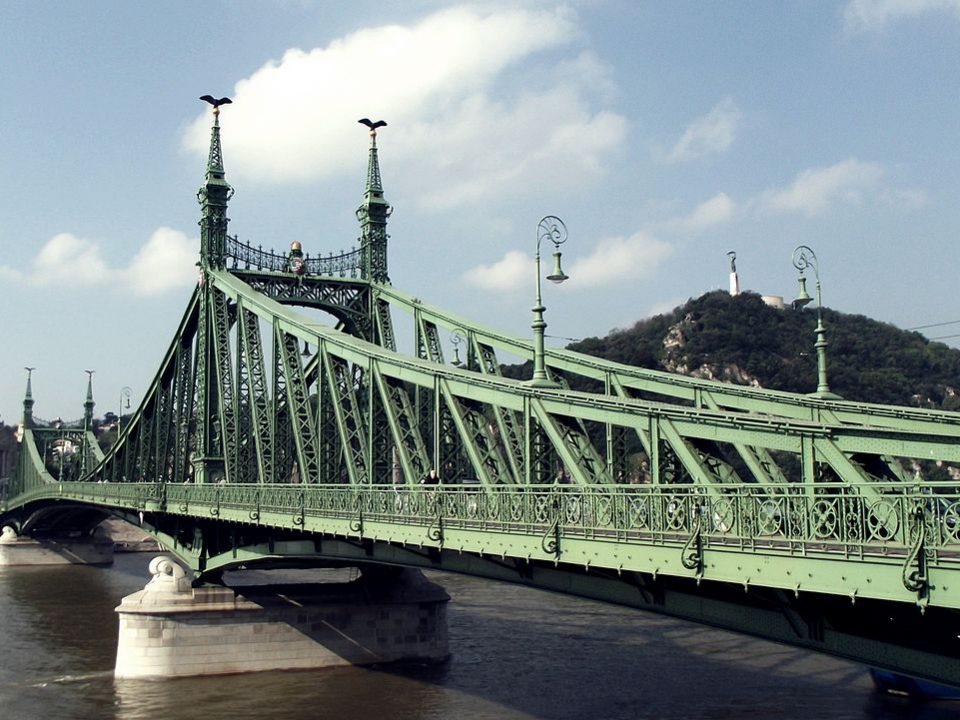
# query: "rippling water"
517,653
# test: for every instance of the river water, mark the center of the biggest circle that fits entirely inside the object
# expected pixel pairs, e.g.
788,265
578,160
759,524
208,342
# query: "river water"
516,653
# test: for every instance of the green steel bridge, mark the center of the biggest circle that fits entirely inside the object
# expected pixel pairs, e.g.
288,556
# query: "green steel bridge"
269,438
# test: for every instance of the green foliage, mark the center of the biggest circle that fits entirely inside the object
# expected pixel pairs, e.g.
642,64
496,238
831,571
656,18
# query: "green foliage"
742,340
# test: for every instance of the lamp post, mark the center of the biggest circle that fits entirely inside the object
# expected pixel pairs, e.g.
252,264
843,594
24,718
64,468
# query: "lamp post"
457,336
804,257
550,228
125,392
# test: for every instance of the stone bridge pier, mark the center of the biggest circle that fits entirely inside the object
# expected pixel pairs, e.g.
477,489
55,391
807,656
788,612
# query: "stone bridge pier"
55,549
170,629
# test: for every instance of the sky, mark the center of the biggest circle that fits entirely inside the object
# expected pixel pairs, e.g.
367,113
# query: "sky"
665,134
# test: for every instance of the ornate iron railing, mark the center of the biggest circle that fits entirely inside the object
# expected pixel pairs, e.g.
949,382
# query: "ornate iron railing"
58,423
244,256
797,520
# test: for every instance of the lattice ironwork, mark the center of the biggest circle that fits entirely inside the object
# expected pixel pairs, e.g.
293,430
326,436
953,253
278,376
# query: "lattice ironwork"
244,256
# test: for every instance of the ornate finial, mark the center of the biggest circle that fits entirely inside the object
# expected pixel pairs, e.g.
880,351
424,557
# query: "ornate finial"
374,184
28,398
373,214
373,128
215,161
214,195
216,102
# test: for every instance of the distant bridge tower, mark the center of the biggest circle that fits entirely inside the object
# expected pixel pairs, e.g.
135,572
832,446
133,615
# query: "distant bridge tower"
372,214
86,460
89,404
734,278
28,400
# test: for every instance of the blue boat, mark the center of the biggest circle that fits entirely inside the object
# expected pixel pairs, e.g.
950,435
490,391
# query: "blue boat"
892,682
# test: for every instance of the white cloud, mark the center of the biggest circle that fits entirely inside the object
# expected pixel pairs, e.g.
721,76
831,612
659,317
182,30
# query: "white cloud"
712,133
867,15
909,199
814,190
461,127
619,259
513,271
167,260
9,274
545,141
68,261
614,260
715,211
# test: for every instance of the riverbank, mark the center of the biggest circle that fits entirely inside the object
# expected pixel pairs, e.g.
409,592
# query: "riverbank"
129,538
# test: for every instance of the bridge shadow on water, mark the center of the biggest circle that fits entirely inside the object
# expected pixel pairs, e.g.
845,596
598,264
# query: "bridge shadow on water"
516,653
521,653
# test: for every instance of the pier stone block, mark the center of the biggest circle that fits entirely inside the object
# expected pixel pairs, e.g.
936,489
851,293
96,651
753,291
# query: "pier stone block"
170,629
96,549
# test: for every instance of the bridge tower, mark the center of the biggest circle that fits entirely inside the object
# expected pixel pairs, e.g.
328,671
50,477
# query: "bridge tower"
88,404
86,460
372,214
28,401
213,197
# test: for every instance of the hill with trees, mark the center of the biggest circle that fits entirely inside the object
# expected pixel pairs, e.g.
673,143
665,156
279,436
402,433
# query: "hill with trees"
739,339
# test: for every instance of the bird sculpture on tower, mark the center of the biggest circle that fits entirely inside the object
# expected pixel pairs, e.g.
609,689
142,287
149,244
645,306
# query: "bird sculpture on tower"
372,125
216,102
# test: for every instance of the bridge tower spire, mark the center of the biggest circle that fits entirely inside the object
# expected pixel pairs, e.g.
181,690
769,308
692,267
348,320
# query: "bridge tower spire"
213,197
88,404
28,400
85,457
373,213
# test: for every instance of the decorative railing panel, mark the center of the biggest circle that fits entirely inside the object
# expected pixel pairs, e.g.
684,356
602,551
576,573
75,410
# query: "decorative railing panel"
801,520
244,256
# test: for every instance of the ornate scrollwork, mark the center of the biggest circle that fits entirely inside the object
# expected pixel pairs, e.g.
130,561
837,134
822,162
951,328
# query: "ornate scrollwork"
550,542
691,556
883,520
825,519
770,517
357,525
915,577
435,529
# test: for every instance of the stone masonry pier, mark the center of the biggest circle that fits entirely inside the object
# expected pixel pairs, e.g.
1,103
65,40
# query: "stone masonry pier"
170,629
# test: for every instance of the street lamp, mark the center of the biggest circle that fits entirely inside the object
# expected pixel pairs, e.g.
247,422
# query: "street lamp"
125,392
550,228
457,336
804,257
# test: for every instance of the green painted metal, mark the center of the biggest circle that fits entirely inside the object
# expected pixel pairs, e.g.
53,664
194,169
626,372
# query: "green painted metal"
700,393
373,214
828,540
246,449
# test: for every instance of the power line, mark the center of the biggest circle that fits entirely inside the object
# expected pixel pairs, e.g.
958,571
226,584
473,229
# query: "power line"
940,324
944,337
561,337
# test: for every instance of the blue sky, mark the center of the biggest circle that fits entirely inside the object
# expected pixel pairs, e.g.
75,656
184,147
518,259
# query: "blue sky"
663,133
